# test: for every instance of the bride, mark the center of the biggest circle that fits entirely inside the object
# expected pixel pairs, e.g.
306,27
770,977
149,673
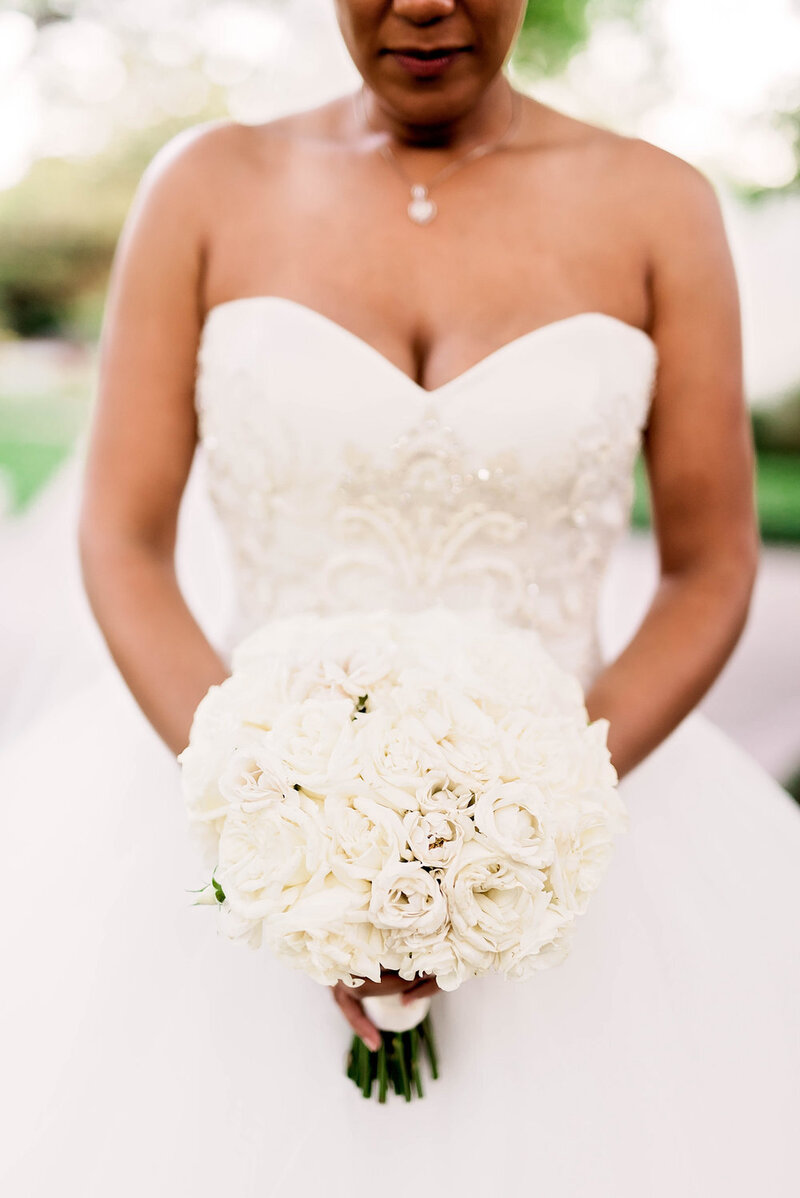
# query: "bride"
419,334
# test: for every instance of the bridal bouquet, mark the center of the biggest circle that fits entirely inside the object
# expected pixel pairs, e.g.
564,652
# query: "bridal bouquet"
415,792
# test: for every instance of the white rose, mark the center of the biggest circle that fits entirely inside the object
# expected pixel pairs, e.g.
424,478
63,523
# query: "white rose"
549,948
492,903
426,692
328,959
355,645
516,820
258,696
583,852
466,737
269,856
327,933
341,668
305,682
536,746
597,769
284,637
394,754
255,778
437,792
412,954
436,838
357,663
214,735
239,928
512,666
471,760
568,757
316,740
364,833
407,898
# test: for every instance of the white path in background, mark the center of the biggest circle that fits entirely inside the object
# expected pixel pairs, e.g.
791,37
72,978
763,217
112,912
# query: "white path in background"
49,643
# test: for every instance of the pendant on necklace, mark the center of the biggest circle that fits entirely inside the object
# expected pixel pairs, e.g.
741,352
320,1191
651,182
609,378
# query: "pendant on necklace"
421,208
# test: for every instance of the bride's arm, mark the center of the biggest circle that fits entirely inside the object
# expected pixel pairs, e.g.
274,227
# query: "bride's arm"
142,442
699,457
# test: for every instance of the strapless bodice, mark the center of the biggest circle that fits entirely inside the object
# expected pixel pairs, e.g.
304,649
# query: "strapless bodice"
343,484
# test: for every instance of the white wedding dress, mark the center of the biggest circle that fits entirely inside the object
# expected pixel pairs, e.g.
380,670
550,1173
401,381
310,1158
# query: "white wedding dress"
144,1053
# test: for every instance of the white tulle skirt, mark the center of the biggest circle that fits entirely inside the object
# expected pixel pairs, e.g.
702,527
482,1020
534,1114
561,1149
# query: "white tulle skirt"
144,1053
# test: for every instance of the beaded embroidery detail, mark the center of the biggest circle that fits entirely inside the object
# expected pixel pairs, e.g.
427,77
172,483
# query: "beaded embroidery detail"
423,518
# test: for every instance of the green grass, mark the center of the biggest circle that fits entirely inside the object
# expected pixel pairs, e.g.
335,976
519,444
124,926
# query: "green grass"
778,490
27,467
37,433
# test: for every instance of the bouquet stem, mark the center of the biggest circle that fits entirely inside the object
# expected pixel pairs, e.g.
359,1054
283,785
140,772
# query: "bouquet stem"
396,1062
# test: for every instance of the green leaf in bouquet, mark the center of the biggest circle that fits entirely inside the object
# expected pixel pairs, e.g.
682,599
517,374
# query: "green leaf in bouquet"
218,891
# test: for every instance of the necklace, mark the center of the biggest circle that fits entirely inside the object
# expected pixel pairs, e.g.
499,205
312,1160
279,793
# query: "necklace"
421,208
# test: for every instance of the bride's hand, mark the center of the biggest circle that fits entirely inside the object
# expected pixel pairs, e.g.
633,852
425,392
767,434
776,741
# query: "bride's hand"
349,1000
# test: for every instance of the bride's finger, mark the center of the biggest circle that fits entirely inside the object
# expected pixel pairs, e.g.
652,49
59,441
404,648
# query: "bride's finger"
389,984
354,1014
420,991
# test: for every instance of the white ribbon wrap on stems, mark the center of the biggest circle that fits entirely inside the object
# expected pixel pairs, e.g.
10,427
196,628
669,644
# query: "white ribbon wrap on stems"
389,1014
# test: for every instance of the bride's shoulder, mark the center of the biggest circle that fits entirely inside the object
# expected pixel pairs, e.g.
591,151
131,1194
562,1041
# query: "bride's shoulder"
628,158
223,144
211,148
653,190
672,201
204,166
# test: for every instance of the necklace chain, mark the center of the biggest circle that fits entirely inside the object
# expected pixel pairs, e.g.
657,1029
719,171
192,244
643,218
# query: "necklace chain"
421,208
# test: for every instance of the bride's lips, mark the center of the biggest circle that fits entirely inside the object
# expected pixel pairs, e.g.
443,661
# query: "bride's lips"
427,63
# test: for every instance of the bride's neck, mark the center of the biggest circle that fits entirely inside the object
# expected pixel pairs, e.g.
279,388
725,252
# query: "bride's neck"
485,121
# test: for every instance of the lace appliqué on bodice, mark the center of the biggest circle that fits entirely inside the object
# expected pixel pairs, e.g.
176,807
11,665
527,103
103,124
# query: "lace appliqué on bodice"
437,521
422,514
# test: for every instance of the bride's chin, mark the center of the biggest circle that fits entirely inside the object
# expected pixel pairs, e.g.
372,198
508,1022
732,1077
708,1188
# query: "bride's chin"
426,102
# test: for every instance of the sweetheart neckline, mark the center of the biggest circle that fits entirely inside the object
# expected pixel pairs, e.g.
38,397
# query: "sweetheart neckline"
459,379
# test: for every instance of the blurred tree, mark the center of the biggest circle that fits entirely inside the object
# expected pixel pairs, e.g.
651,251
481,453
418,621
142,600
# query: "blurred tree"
787,120
60,227
777,427
554,30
